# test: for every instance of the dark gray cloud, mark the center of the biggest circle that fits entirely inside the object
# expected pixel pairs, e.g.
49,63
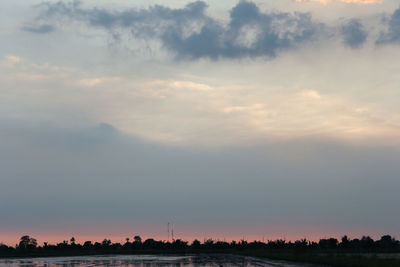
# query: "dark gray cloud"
250,33
190,33
392,35
155,16
354,34
46,28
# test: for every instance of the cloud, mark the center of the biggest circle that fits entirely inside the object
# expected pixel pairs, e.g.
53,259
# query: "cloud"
97,81
189,33
362,2
310,94
274,32
153,16
39,29
10,61
122,179
354,34
198,110
187,85
392,35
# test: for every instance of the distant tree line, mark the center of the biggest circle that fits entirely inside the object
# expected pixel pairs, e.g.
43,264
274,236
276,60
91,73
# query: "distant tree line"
28,246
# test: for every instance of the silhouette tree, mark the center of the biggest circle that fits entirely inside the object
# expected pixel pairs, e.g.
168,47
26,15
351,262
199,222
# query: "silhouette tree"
137,239
345,242
196,244
387,241
87,244
106,243
150,243
28,246
367,242
328,243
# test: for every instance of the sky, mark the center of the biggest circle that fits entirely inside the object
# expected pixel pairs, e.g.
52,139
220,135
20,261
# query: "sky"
231,119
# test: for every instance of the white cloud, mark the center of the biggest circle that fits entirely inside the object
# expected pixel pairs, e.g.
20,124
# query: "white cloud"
10,61
190,86
90,82
220,105
310,94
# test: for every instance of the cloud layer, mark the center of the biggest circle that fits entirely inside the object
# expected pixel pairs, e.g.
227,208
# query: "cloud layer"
190,33
95,176
178,110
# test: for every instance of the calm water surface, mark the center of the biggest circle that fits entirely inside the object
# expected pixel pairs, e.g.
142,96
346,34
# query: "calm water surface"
148,261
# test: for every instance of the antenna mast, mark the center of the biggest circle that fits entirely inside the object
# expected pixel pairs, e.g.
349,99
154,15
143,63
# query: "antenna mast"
172,232
168,232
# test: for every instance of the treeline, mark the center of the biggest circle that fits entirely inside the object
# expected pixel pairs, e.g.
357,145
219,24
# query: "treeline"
28,246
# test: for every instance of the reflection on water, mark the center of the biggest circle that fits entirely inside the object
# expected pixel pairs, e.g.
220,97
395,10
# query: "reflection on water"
147,261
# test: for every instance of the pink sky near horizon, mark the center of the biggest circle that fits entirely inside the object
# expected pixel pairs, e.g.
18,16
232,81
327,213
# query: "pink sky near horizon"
188,233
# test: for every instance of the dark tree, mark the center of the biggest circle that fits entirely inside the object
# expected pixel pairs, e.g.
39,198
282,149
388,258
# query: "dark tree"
387,241
330,243
27,242
106,243
196,244
345,242
137,239
87,244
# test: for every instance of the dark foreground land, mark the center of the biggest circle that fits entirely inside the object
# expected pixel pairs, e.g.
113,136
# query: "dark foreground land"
201,260
326,252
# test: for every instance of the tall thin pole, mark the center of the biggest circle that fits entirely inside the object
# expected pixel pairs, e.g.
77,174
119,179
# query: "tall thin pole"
168,232
172,232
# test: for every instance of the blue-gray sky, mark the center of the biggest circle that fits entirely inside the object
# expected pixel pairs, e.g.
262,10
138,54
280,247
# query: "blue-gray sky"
229,118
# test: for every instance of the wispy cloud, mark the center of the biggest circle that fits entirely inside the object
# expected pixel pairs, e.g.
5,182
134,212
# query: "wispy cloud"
361,2
10,61
189,32
182,111
46,28
392,33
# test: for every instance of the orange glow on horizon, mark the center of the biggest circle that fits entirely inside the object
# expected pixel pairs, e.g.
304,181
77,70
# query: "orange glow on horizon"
190,233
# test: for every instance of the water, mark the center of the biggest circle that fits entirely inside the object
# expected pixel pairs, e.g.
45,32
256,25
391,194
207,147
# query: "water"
148,261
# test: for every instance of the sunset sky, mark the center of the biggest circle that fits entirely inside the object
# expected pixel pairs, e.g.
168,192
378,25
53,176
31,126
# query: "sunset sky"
231,119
